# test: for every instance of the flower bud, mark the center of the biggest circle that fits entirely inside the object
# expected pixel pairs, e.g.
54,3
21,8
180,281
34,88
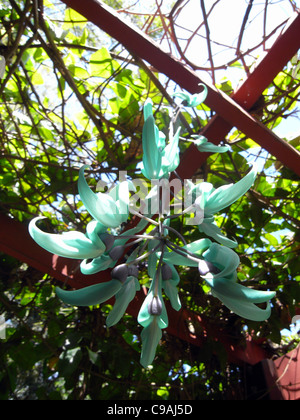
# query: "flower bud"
133,271
155,306
166,272
116,253
108,240
120,272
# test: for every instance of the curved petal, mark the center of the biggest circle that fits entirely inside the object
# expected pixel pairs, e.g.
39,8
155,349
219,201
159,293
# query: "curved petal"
225,259
151,335
144,316
199,139
171,290
199,193
246,310
69,244
196,247
101,206
195,99
97,265
212,230
224,196
240,292
241,300
124,296
120,194
93,230
147,109
212,148
170,158
91,295
198,98
151,153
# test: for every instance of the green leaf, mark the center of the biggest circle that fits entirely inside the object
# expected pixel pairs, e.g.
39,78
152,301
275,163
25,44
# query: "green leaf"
101,63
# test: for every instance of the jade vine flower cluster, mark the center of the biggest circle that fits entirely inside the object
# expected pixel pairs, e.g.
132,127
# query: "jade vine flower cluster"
106,246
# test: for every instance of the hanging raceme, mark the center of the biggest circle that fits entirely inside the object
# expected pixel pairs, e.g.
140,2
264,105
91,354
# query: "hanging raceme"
106,245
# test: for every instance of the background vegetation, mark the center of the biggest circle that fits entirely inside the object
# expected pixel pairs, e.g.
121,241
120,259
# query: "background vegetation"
70,96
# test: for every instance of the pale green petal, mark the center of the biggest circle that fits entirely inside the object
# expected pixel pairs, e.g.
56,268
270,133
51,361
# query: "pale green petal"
241,300
199,139
197,247
101,206
124,296
91,295
161,141
147,110
212,230
170,157
151,335
238,291
223,258
212,148
120,194
144,317
195,99
152,261
224,196
171,290
172,293
151,153
199,193
93,230
246,310
96,265
69,244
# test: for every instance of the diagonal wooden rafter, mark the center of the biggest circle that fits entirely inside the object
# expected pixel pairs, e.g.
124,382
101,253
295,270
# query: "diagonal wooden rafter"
232,110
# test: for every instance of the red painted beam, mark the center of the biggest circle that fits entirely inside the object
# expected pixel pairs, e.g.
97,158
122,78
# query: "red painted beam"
266,69
283,376
140,44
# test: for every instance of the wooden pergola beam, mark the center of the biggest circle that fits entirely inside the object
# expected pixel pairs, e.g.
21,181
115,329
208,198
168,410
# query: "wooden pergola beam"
229,109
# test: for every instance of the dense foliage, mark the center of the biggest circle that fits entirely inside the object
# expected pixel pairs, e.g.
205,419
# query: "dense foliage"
72,96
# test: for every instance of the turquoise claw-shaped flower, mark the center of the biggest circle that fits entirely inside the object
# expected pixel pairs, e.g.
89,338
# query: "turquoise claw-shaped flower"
123,297
210,201
211,229
112,254
239,299
153,317
110,209
222,197
71,244
193,100
151,335
170,280
120,286
91,295
152,144
159,159
203,145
